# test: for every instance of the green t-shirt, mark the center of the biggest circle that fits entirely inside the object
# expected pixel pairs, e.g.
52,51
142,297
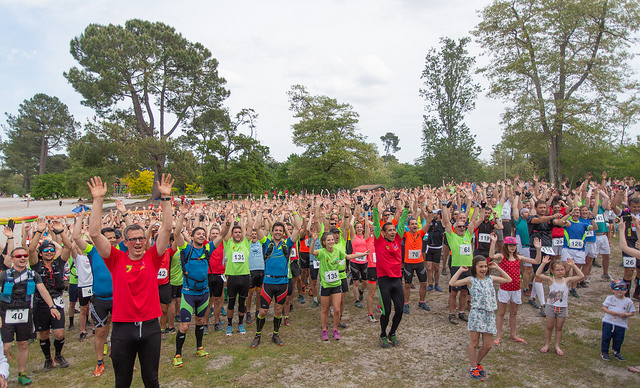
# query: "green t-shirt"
73,278
329,267
341,245
461,249
175,273
237,257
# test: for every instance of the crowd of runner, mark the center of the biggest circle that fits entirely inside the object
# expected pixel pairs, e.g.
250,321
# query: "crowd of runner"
142,275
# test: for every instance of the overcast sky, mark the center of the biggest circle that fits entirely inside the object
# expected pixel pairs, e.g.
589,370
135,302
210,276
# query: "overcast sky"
369,53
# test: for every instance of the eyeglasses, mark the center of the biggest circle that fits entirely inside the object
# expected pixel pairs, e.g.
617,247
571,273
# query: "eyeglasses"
136,239
48,250
20,256
619,288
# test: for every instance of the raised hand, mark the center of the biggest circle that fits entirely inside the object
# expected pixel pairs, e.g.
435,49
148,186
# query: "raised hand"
120,207
7,231
41,224
97,187
537,243
164,185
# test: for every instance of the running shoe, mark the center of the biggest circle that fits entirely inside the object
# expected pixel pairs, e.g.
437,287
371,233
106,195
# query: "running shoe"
475,374
360,294
533,304
482,372
462,316
61,361
71,327
23,379
301,299
201,352
315,304
606,277
336,335
596,264
241,329
430,288
218,326
405,310
618,356
276,340
205,330
287,322
223,312
359,304
423,305
247,318
229,331
371,318
453,319
527,292
48,364
325,335
177,361
574,293
379,308
384,342
394,340
444,271
176,318
83,336
172,330
605,356
99,370
342,325
256,341
437,288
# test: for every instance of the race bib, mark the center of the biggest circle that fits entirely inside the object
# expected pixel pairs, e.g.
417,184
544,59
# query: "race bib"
600,218
237,257
589,233
293,253
331,276
58,301
316,264
17,316
484,238
465,249
548,251
87,292
558,242
628,261
506,213
374,257
162,273
414,254
575,243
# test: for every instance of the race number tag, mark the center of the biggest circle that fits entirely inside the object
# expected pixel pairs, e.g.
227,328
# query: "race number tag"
600,218
575,243
465,249
628,261
331,276
506,213
17,316
316,264
558,242
58,301
414,254
238,257
162,273
374,257
548,251
589,233
87,292
484,238
293,253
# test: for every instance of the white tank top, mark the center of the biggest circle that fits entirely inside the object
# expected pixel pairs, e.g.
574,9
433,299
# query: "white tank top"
558,294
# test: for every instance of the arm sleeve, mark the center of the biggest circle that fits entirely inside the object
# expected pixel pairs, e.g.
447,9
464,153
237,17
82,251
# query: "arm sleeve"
403,220
376,222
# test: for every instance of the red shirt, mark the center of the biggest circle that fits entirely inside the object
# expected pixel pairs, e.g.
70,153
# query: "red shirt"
165,264
215,260
135,286
389,256
512,268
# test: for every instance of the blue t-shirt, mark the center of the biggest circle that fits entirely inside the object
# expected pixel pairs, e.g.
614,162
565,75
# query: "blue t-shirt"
276,266
102,282
589,235
574,233
256,257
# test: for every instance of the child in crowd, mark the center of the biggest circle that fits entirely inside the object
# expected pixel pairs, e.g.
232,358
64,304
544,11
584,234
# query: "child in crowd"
617,311
482,317
557,305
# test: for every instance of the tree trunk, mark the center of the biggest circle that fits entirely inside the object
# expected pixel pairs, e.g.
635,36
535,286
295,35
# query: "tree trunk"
555,166
158,170
44,148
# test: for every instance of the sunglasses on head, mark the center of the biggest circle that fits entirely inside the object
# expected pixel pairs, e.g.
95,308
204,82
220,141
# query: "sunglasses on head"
48,250
620,288
20,256
136,239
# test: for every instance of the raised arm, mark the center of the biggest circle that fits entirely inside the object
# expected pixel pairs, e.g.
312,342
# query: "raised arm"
98,191
41,226
59,229
164,187
76,234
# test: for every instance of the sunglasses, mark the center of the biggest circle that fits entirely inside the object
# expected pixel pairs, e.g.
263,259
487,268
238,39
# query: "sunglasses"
20,256
619,288
48,250
460,226
136,239
333,223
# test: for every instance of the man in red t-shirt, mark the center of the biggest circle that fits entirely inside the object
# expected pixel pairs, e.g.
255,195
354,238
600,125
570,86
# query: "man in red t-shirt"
136,302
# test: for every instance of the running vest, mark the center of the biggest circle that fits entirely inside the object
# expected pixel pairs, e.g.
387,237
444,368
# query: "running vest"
194,270
11,297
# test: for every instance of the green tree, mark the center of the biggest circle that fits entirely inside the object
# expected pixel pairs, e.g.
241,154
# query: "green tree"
49,185
449,149
559,64
43,124
335,153
390,144
164,79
